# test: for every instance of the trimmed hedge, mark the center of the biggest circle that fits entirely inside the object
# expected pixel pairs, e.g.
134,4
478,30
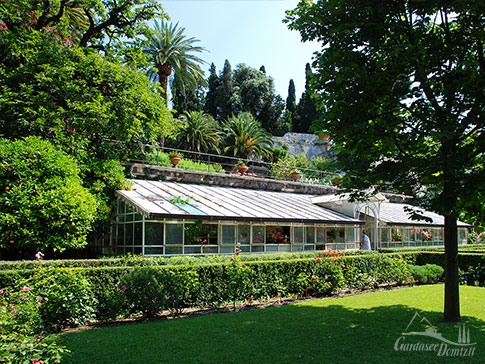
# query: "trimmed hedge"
140,261
213,284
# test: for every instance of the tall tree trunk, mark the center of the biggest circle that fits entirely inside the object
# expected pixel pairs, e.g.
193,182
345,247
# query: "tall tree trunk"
452,298
163,72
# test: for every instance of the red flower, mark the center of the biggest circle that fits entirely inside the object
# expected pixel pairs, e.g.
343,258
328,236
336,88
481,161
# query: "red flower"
4,26
250,298
319,259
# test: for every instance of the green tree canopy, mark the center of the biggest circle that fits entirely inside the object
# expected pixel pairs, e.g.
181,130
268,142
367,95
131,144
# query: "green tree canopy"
254,92
402,87
42,201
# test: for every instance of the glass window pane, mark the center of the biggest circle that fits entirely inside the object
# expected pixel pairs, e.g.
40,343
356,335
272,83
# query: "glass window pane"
138,233
228,232
192,250
335,235
310,235
153,233
128,234
321,235
462,236
277,234
351,234
198,233
209,249
396,234
153,251
243,232
258,234
226,249
298,234
173,234
385,234
173,250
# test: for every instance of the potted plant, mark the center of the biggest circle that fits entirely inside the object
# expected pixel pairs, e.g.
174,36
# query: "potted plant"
337,180
323,136
295,174
175,158
241,167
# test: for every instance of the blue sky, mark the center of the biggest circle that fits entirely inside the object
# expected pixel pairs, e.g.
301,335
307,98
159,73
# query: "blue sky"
246,31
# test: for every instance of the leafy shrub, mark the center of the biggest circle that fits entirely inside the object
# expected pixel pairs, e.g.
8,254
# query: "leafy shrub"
144,290
42,201
181,289
68,297
239,280
16,348
20,329
474,275
426,273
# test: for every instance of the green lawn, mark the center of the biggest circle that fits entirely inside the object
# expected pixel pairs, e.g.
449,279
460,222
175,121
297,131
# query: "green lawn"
354,329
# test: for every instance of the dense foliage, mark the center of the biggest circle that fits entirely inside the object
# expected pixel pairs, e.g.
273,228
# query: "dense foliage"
42,201
401,85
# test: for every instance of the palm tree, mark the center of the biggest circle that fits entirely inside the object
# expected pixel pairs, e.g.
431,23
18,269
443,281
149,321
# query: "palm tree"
170,50
199,132
245,136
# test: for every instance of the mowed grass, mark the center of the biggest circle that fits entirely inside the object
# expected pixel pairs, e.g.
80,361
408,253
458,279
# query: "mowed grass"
353,329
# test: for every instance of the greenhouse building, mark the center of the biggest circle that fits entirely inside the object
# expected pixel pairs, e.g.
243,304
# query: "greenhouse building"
176,217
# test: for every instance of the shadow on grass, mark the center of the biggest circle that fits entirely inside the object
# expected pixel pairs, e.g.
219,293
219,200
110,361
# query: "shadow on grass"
312,332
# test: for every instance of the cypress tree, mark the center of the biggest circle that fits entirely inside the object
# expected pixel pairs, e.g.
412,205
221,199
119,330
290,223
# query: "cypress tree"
306,110
291,99
225,92
210,106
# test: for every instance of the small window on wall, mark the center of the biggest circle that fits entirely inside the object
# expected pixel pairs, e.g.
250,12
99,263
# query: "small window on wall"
174,235
258,234
243,234
228,234
298,233
153,234
198,233
277,234
335,235
310,235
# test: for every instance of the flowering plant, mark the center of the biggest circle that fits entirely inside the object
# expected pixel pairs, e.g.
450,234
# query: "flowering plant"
426,235
396,235
240,278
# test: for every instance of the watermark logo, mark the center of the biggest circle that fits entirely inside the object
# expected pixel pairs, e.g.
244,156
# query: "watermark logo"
420,327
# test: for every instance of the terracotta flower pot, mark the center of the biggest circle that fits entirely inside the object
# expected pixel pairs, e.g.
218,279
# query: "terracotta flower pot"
242,169
337,180
175,159
295,176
